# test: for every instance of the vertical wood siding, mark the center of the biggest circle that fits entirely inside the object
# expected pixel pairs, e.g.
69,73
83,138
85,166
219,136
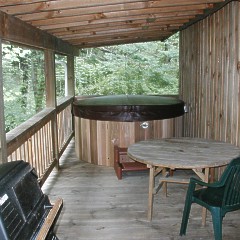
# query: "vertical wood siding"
210,76
95,140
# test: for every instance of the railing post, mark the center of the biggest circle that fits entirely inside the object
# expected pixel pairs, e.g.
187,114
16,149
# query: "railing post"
3,144
71,81
70,76
51,99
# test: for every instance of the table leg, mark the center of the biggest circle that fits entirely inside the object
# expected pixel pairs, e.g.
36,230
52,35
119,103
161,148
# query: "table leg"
204,211
165,174
150,192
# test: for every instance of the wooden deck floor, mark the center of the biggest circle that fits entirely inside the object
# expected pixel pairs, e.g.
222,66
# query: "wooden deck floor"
98,206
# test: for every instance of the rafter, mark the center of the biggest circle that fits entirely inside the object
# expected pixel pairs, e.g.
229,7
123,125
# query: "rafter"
112,21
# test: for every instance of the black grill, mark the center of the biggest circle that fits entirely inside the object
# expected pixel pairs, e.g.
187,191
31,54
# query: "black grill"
23,206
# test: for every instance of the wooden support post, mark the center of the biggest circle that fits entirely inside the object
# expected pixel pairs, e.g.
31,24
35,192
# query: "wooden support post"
19,32
70,76
51,98
3,144
70,81
50,79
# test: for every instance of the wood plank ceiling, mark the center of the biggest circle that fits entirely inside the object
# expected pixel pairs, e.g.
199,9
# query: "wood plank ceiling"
93,23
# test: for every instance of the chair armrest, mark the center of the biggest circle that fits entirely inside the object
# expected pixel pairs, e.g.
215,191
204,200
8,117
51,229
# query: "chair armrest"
192,186
194,181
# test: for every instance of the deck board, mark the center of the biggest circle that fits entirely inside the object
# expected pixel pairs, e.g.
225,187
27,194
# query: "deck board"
99,206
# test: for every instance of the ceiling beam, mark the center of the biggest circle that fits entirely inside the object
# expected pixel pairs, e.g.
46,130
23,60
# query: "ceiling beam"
21,7
207,12
135,23
73,21
95,29
112,42
15,30
127,9
79,21
116,16
121,36
114,33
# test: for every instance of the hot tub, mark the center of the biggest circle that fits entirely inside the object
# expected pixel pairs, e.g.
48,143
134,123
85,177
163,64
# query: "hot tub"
104,121
128,108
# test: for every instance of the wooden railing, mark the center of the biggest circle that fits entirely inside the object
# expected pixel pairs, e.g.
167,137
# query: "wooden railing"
64,124
42,139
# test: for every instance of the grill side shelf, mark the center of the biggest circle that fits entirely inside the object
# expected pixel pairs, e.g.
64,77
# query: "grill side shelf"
50,219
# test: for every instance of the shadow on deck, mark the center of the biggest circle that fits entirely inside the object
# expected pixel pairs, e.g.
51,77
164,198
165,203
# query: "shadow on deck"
99,206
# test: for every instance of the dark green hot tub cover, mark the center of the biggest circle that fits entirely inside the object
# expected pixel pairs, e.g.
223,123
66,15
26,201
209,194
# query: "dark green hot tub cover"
127,108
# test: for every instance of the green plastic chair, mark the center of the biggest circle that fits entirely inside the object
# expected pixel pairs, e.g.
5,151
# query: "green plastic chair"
219,197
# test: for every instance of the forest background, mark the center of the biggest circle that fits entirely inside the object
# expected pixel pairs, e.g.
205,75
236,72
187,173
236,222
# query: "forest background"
143,68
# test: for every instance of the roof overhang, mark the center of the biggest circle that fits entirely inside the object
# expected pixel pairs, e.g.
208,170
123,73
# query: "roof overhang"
95,23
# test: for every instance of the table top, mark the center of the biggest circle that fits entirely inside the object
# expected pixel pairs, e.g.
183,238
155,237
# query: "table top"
183,153
127,108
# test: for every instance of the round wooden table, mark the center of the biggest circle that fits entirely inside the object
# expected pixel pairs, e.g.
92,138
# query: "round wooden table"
180,153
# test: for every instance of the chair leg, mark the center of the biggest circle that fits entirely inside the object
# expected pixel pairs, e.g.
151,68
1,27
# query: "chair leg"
217,223
118,171
185,216
119,175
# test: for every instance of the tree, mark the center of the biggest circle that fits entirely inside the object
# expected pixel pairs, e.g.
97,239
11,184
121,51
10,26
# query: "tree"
61,70
144,68
23,84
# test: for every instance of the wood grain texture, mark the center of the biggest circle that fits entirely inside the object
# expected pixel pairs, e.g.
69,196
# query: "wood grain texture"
195,154
95,140
19,32
102,23
183,153
210,76
98,206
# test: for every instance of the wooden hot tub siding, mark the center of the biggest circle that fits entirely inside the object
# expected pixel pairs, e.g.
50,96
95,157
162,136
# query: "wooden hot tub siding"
95,139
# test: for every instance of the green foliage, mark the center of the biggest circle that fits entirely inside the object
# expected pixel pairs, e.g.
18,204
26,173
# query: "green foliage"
23,84
143,68
61,71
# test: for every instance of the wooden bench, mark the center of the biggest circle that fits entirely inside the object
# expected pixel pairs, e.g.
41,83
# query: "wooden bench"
123,163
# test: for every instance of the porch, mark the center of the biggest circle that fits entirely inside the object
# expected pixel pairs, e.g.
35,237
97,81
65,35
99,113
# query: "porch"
96,204
99,206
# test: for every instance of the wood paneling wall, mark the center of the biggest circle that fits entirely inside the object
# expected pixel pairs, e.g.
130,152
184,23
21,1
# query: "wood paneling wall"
210,76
